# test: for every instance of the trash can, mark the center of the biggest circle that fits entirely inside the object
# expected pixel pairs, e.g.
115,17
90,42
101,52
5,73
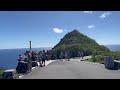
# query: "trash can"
109,62
116,65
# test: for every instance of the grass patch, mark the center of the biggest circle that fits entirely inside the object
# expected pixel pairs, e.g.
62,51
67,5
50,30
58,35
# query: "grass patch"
1,72
96,59
91,60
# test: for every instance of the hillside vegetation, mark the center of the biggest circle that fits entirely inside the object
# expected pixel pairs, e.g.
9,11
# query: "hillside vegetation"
1,71
75,41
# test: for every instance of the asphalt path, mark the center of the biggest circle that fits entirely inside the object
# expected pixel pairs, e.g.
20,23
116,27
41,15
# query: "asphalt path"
73,69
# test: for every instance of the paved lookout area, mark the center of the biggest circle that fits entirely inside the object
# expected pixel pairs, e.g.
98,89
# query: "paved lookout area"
73,69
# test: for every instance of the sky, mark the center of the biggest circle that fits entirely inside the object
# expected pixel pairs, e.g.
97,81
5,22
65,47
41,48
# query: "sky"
46,28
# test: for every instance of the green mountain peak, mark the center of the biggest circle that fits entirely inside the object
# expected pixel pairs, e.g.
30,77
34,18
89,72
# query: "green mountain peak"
75,41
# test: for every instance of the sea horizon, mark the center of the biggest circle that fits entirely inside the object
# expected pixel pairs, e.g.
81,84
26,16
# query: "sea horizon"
24,48
9,57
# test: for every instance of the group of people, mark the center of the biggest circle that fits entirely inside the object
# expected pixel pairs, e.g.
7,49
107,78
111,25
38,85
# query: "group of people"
80,54
26,58
41,57
65,55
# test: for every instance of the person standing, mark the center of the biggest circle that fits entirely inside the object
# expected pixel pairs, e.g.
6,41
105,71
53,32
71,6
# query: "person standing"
82,55
61,55
79,54
40,58
43,57
68,55
25,57
29,61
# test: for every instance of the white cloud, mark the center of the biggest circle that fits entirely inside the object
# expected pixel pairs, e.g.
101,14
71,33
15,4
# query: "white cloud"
91,26
57,30
104,15
89,12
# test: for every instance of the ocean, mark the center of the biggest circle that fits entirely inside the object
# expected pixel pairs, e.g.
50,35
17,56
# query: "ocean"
9,57
113,47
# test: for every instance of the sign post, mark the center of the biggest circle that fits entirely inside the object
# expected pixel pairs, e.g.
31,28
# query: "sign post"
30,46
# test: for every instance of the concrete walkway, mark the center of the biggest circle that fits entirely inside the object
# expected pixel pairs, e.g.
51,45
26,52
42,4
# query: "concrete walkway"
73,69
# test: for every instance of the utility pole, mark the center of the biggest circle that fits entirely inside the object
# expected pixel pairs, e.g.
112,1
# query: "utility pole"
30,46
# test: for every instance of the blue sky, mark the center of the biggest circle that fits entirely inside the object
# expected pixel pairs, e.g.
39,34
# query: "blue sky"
46,28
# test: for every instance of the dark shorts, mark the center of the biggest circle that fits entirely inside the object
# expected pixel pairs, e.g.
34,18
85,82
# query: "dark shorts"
43,60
